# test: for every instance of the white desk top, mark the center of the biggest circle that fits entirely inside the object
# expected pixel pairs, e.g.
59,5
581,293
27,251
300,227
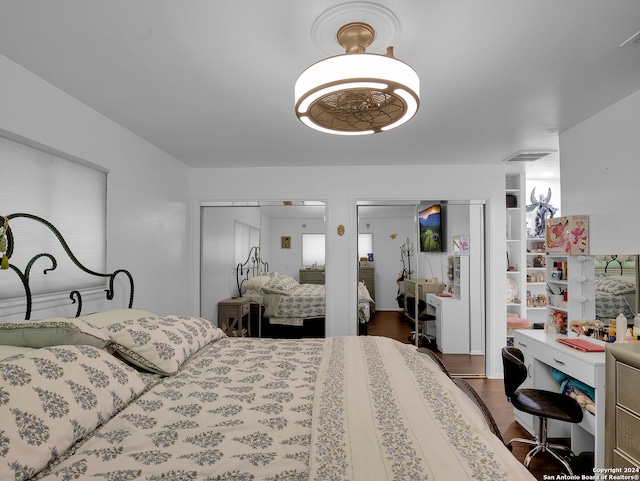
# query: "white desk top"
595,358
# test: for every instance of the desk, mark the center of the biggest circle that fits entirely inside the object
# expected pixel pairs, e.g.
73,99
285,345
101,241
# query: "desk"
452,323
542,352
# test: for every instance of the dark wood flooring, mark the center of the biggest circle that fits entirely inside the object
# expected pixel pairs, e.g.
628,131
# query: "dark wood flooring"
392,324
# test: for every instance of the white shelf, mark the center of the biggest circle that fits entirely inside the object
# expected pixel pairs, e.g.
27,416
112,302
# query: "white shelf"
515,234
461,277
579,285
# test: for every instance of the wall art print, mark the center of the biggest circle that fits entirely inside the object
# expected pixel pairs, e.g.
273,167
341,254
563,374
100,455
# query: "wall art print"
568,235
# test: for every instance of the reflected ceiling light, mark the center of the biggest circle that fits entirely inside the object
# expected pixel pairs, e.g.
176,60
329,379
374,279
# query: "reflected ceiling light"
357,93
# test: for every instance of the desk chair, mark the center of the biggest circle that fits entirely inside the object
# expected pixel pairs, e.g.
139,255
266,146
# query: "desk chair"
424,339
544,404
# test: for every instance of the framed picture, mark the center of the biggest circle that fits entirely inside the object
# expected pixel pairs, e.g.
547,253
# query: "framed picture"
285,242
430,221
464,244
568,235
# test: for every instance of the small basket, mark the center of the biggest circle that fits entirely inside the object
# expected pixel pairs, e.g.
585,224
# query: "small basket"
552,328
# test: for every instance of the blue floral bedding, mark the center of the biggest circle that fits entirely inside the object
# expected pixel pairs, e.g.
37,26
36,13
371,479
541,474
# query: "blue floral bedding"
342,408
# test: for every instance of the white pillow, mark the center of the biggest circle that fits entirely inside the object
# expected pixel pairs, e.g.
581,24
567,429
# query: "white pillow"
161,344
363,293
103,319
255,295
51,397
51,332
255,282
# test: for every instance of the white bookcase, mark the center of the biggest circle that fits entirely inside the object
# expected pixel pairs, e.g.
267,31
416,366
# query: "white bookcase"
536,298
461,277
515,230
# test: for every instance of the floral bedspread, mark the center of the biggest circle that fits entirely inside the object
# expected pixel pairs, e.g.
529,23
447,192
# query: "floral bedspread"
304,301
343,408
381,412
240,411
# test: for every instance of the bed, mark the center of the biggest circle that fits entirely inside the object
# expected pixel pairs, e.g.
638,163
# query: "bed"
127,394
286,302
114,405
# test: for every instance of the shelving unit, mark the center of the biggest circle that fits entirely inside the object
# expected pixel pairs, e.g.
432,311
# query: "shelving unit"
577,279
535,279
461,277
515,230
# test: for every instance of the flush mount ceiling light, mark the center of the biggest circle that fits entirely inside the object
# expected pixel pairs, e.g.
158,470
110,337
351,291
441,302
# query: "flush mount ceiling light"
357,93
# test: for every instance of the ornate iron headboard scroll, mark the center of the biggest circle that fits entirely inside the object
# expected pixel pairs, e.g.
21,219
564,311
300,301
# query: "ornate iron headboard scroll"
74,295
253,265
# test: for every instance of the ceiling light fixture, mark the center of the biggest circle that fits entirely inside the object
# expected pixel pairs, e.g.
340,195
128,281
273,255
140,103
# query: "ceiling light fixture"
357,93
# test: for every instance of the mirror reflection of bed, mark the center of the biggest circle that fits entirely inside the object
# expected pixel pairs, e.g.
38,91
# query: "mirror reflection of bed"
616,286
229,231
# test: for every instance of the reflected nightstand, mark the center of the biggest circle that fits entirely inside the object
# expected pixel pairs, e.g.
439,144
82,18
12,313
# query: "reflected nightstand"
231,314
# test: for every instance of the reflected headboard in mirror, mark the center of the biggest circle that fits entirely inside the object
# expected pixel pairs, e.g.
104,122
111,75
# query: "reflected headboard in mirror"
616,286
251,267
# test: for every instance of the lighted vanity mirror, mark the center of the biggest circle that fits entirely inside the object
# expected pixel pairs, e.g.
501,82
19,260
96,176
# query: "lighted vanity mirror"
247,248
616,286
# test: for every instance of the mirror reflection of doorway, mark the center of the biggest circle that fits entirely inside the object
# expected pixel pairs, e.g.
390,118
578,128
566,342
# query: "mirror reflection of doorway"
450,300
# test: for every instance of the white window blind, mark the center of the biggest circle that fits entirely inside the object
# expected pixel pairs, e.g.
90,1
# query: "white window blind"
313,250
365,245
69,193
245,237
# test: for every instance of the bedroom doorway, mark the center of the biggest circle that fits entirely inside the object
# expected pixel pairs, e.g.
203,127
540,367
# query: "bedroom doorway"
399,260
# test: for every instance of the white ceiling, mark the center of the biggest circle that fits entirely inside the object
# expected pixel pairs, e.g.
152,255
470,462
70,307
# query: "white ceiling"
211,82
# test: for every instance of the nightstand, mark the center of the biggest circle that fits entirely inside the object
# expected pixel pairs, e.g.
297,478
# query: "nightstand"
231,313
311,276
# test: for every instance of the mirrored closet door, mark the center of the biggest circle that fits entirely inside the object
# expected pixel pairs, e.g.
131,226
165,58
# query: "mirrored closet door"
427,262
257,259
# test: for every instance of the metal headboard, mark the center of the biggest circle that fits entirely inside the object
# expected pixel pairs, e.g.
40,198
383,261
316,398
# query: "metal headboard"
24,276
614,258
253,265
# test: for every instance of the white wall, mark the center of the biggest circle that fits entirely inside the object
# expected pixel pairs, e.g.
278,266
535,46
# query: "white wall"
341,188
288,261
386,251
148,219
599,167
217,273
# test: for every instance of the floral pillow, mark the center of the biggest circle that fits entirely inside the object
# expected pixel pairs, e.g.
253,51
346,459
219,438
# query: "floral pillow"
279,283
54,396
51,332
161,344
615,286
105,318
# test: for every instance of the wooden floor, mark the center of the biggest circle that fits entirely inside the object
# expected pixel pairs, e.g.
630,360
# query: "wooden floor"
392,324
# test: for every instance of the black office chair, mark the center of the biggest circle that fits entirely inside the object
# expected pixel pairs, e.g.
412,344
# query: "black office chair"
544,404
424,339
